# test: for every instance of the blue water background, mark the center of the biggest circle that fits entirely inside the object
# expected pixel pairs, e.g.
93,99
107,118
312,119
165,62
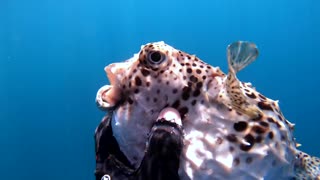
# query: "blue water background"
52,55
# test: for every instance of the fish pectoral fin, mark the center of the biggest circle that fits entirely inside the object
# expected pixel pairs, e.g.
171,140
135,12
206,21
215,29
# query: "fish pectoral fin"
241,54
253,112
307,167
249,110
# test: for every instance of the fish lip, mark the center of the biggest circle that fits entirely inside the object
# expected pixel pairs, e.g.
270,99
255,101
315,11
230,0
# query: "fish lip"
166,135
167,126
170,114
169,120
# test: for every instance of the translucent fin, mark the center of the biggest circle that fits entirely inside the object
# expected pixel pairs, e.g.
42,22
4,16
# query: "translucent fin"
307,167
241,54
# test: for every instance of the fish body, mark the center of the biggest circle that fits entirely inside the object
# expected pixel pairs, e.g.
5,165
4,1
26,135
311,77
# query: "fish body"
231,131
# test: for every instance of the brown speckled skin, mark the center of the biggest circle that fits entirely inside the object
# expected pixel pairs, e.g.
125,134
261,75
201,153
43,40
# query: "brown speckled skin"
220,142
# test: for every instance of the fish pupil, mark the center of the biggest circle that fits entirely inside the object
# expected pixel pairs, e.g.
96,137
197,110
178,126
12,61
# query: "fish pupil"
155,57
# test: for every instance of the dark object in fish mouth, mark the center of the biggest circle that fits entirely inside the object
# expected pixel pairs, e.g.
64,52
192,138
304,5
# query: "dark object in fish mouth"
109,158
162,157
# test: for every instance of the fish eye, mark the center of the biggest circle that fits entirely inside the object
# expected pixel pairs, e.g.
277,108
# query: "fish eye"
156,57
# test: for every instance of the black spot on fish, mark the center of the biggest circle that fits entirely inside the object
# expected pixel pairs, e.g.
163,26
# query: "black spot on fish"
258,129
271,120
138,81
264,124
145,72
189,70
278,124
262,97
280,117
270,135
250,140
219,141
176,104
199,85
252,95
236,161
240,126
264,106
232,138
249,160
193,79
196,93
174,91
154,69
183,111
231,149
186,93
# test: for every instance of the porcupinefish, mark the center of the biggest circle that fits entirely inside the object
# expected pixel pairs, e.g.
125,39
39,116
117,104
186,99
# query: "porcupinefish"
231,131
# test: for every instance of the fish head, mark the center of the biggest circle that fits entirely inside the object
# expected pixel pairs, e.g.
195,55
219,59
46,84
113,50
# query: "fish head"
160,75
157,77
143,67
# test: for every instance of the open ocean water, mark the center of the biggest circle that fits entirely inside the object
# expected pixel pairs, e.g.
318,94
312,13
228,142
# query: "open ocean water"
52,55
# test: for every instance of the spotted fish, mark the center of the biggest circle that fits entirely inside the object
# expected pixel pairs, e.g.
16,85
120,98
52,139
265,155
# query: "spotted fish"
231,131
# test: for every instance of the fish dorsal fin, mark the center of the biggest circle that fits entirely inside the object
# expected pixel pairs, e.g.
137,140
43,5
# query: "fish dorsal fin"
241,54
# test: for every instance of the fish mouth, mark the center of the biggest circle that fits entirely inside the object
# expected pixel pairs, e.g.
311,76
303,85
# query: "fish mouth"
169,120
164,147
167,129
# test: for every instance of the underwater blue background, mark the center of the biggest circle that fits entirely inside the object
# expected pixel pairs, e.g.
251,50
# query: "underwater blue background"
52,55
